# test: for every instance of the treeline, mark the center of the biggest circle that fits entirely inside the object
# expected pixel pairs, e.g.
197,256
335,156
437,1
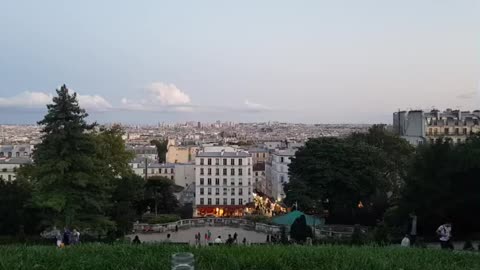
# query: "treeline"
80,178
378,178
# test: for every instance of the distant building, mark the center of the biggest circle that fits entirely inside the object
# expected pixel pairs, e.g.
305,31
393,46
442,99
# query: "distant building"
21,150
223,183
259,180
277,172
144,151
184,174
419,127
9,167
166,170
181,154
259,155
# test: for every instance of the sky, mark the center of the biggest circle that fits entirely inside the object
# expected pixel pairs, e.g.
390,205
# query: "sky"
246,61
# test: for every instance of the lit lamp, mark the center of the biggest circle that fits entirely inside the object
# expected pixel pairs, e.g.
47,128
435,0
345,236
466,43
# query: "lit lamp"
360,204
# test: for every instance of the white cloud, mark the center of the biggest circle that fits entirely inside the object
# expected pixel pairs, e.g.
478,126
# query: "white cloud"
256,106
161,97
26,99
29,100
93,103
168,94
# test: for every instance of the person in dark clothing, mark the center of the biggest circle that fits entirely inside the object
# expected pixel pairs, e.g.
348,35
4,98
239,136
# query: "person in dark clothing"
66,237
468,246
244,241
136,240
268,238
412,229
229,240
176,228
235,235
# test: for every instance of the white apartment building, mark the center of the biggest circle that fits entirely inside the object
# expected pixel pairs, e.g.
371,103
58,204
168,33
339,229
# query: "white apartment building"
9,167
223,183
277,171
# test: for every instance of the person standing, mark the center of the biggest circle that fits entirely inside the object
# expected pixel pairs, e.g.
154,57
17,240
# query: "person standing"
75,237
445,235
235,235
67,235
405,241
209,235
176,228
268,238
244,241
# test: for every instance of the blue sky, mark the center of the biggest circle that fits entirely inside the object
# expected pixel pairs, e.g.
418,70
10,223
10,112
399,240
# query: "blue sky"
298,61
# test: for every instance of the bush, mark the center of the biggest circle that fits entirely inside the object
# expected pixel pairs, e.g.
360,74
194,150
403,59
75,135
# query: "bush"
160,219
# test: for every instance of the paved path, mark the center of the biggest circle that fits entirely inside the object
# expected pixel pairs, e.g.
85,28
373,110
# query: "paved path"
188,235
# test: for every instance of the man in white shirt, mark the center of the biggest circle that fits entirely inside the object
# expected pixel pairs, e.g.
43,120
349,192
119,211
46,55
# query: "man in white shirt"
405,241
218,240
444,233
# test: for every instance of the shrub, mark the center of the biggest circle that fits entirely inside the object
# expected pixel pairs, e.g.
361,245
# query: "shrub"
160,219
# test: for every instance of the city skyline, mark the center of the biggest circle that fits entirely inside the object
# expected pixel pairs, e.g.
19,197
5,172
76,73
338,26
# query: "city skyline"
319,62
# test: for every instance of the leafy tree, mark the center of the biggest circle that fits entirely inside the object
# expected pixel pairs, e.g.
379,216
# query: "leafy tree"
66,177
159,195
127,197
161,149
299,231
336,174
112,153
443,185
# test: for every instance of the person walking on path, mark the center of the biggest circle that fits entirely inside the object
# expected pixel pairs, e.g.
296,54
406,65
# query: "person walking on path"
445,235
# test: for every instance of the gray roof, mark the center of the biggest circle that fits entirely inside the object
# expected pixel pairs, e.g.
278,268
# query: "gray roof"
224,154
15,160
161,165
258,150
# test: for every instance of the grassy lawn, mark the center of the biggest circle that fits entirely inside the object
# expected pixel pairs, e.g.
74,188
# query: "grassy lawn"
100,256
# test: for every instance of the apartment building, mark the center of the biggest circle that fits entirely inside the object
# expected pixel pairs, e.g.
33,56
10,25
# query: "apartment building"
223,183
277,172
420,127
259,179
9,167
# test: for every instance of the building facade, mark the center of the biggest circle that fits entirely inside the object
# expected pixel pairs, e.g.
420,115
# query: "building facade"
180,154
223,183
259,179
278,172
420,127
9,167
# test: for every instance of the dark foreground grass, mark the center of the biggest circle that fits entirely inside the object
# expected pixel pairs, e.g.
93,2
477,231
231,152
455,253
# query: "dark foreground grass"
145,257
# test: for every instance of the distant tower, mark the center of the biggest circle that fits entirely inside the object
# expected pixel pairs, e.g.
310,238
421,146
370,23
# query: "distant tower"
199,125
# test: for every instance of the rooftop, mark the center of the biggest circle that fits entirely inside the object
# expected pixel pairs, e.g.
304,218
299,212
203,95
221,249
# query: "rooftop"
224,154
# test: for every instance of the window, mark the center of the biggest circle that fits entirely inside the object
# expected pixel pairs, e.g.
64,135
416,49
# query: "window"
209,201
240,161
17,154
256,173
9,177
201,181
256,180
209,191
282,179
249,171
201,161
240,191
240,201
232,171
232,161
209,171
217,171
281,159
240,171
171,177
457,131
232,182
217,201
209,161
224,201
249,181
224,191
202,191
232,191
430,131
435,132
209,181
217,191
459,140
201,171
465,131
240,183
232,201
224,181
217,161
224,162
9,154
446,131
217,181
171,170
224,171
1,154
263,154
202,201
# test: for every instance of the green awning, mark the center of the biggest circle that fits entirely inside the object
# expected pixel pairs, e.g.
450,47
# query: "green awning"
289,218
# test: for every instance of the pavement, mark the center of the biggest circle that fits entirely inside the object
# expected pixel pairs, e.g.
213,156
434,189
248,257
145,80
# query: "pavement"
188,235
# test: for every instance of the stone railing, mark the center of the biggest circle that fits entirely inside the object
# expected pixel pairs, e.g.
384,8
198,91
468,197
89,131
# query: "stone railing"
201,222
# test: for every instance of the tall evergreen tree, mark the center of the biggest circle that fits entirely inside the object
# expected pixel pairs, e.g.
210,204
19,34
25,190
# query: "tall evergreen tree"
66,175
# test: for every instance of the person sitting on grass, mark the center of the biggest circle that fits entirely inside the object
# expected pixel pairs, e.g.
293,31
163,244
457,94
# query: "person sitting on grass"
168,240
218,240
230,240
405,241
136,240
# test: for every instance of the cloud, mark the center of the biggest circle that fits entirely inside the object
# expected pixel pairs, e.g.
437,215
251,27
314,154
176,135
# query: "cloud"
161,97
467,95
26,99
256,107
38,100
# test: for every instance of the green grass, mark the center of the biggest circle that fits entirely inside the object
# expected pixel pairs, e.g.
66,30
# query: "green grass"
99,256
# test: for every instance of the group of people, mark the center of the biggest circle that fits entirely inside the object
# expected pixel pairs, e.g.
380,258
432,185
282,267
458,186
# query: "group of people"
443,232
208,239
67,238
